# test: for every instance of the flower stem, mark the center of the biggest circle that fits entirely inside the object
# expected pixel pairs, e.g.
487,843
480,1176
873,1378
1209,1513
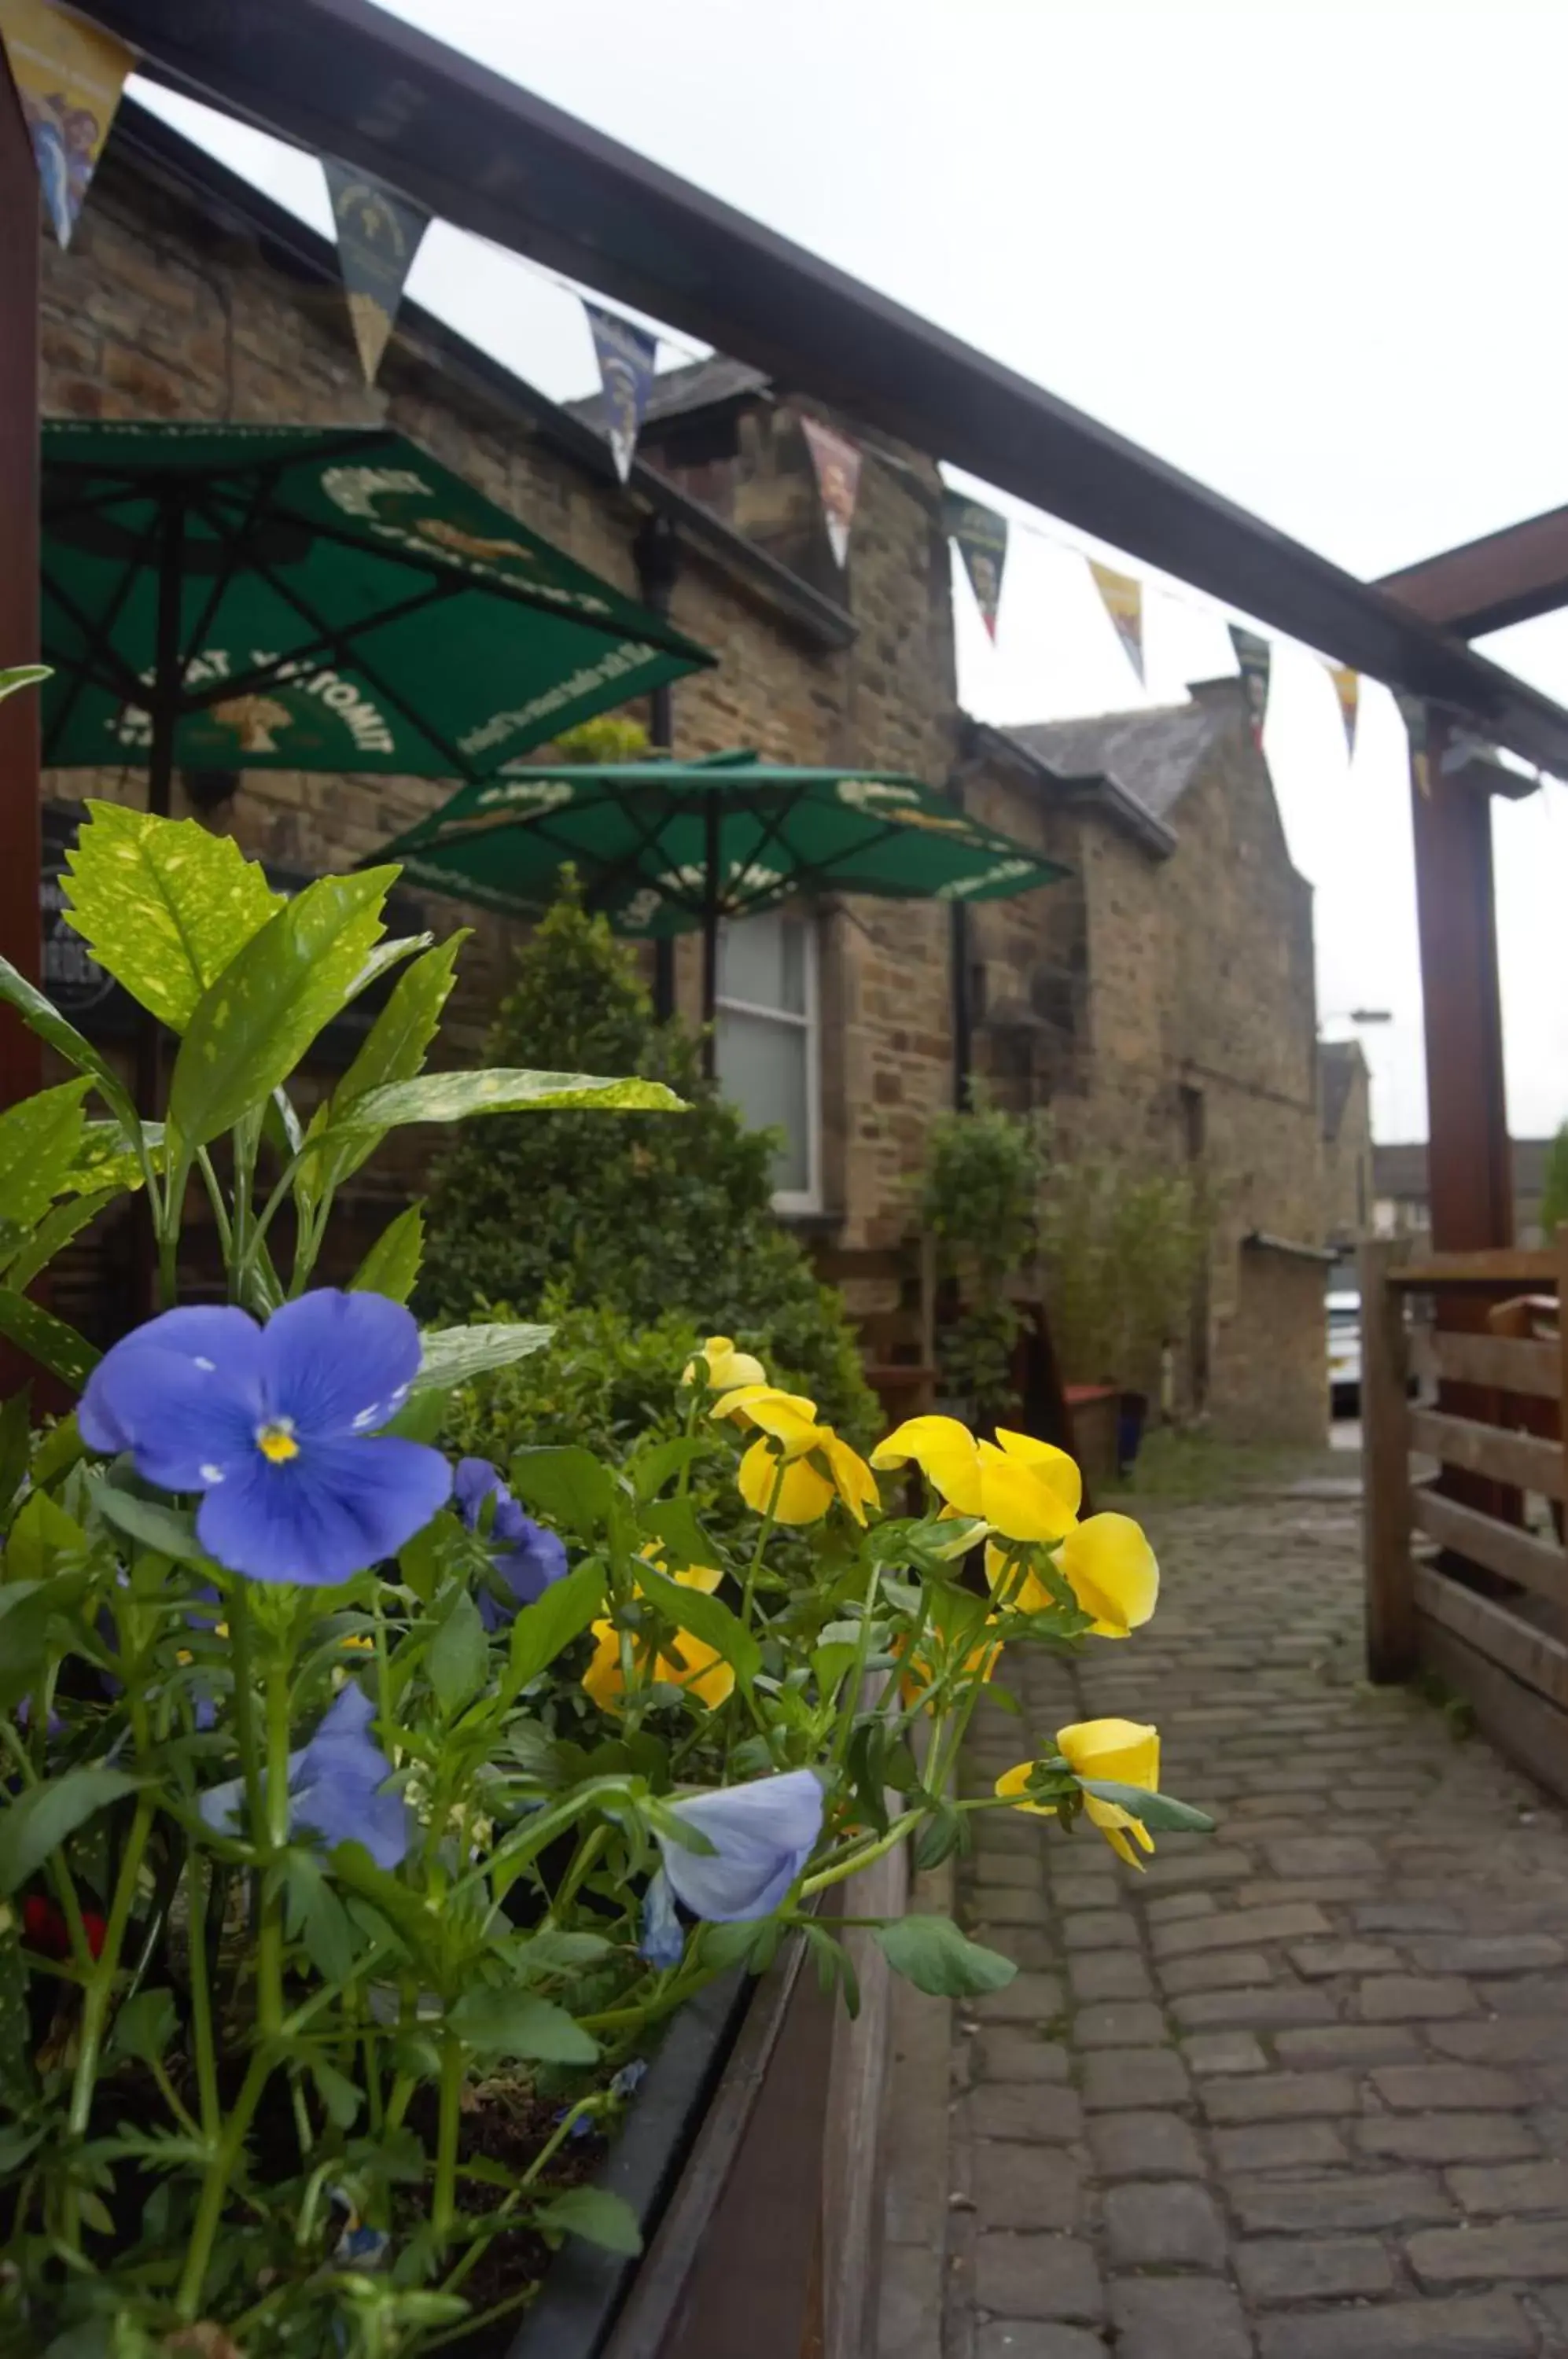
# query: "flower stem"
270,1945
202,1992
215,2187
443,2202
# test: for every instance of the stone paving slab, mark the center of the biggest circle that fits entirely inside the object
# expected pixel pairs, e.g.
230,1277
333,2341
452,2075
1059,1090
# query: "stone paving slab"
1299,2092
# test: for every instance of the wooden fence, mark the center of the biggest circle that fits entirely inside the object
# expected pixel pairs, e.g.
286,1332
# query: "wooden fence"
1465,1576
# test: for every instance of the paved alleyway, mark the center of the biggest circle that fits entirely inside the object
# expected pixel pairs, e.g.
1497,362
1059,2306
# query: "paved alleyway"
1301,2091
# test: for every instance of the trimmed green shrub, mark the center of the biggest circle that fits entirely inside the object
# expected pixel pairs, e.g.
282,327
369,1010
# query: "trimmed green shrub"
669,1217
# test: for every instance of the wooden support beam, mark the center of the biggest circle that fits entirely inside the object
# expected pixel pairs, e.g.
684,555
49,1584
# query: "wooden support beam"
1485,585
1385,1466
21,1064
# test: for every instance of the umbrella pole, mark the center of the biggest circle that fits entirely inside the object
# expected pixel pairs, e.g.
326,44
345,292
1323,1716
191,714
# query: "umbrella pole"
167,682
710,819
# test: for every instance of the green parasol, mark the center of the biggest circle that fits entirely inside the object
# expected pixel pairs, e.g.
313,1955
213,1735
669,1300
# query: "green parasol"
672,847
273,597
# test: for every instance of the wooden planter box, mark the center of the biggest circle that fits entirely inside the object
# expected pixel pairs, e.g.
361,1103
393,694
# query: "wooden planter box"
753,2158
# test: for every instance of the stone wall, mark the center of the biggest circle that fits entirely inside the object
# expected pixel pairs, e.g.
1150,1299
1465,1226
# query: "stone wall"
1348,1161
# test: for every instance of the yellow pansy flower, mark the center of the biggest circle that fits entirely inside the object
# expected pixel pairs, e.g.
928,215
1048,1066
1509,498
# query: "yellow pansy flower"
817,1466
726,1366
946,1453
1029,1490
1120,1751
693,1665
1109,1567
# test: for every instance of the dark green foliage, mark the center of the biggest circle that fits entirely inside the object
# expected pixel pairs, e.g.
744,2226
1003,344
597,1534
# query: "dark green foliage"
644,1216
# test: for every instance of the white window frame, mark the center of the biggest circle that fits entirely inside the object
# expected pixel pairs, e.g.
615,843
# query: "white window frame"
809,1198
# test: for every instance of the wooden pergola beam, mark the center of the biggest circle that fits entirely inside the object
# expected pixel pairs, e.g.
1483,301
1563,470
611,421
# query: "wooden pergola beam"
1484,585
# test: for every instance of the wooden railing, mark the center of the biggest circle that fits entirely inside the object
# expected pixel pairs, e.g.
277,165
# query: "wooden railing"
1457,1581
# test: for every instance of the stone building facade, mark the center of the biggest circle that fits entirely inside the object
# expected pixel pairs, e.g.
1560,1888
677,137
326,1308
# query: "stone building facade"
1344,1087
1160,1000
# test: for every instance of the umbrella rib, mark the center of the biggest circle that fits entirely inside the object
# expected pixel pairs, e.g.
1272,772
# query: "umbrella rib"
281,669
98,639
234,537
128,686
342,648
610,626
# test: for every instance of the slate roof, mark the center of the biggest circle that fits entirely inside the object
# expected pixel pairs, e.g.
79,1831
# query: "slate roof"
1152,753
701,384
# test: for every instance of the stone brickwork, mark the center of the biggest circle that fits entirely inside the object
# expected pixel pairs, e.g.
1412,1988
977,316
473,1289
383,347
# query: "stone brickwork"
1346,1091
1114,996
1299,2092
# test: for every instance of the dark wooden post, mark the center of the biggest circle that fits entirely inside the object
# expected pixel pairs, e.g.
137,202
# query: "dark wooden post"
1385,1465
1469,1178
21,1065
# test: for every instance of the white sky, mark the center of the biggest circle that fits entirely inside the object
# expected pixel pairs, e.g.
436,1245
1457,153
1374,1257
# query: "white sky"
1308,250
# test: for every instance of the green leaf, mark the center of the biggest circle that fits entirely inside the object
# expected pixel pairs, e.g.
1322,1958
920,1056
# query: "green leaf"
531,2030
26,1608
1157,1811
551,1952
43,1818
40,1536
168,1531
393,1051
596,2215
39,1140
251,1027
108,1157
54,1233
452,1097
458,1658
939,1837
706,1617
23,676
543,1631
392,1266
162,905
16,1443
674,1523
144,2027
455,1355
652,1467
47,1340
337,2093
830,1664
42,1016
567,1484
317,1918
931,1953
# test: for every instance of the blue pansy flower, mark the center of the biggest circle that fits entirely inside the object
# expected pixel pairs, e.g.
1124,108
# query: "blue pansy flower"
277,1426
762,1835
527,1556
335,1787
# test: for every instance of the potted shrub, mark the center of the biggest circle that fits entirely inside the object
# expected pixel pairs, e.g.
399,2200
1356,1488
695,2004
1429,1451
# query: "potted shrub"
367,1818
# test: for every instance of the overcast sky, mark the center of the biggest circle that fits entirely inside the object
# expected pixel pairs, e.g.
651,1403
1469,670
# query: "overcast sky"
1308,252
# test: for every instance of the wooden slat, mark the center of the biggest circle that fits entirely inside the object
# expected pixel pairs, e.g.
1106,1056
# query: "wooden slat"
1386,1464
1530,1563
1531,1654
1519,1459
1499,1265
1520,1723
1500,1361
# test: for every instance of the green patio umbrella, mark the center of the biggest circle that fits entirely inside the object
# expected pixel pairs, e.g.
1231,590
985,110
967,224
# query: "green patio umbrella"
277,597
672,847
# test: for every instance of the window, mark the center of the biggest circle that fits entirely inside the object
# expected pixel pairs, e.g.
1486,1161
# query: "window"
767,1044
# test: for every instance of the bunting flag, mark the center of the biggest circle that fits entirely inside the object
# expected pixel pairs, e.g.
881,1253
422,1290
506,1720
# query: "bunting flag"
1123,599
836,460
626,355
1254,655
1347,688
1413,713
378,236
982,539
69,77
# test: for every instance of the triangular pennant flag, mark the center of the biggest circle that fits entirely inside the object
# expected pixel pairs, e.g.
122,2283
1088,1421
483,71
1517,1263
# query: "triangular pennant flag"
1254,655
69,77
982,539
1123,599
1413,714
626,356
836,460
378,236
1347,688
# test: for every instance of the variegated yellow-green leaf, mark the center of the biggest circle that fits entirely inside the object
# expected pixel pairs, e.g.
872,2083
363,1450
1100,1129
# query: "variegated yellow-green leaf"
54,1233
39,1139
250,1029
450,1097
106,1159
457,1355
392,1265
393,1051
22,675
42,1016
47,1340
162,905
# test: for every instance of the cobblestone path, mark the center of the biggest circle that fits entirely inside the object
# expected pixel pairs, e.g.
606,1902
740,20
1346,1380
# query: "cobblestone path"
1300,2092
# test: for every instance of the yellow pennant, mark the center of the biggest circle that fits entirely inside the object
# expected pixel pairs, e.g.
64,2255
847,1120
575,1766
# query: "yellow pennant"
69,77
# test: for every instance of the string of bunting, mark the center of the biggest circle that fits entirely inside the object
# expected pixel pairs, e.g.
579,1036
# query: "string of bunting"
69,74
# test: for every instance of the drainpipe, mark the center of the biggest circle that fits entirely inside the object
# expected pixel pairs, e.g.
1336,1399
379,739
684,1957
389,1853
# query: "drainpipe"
657,554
